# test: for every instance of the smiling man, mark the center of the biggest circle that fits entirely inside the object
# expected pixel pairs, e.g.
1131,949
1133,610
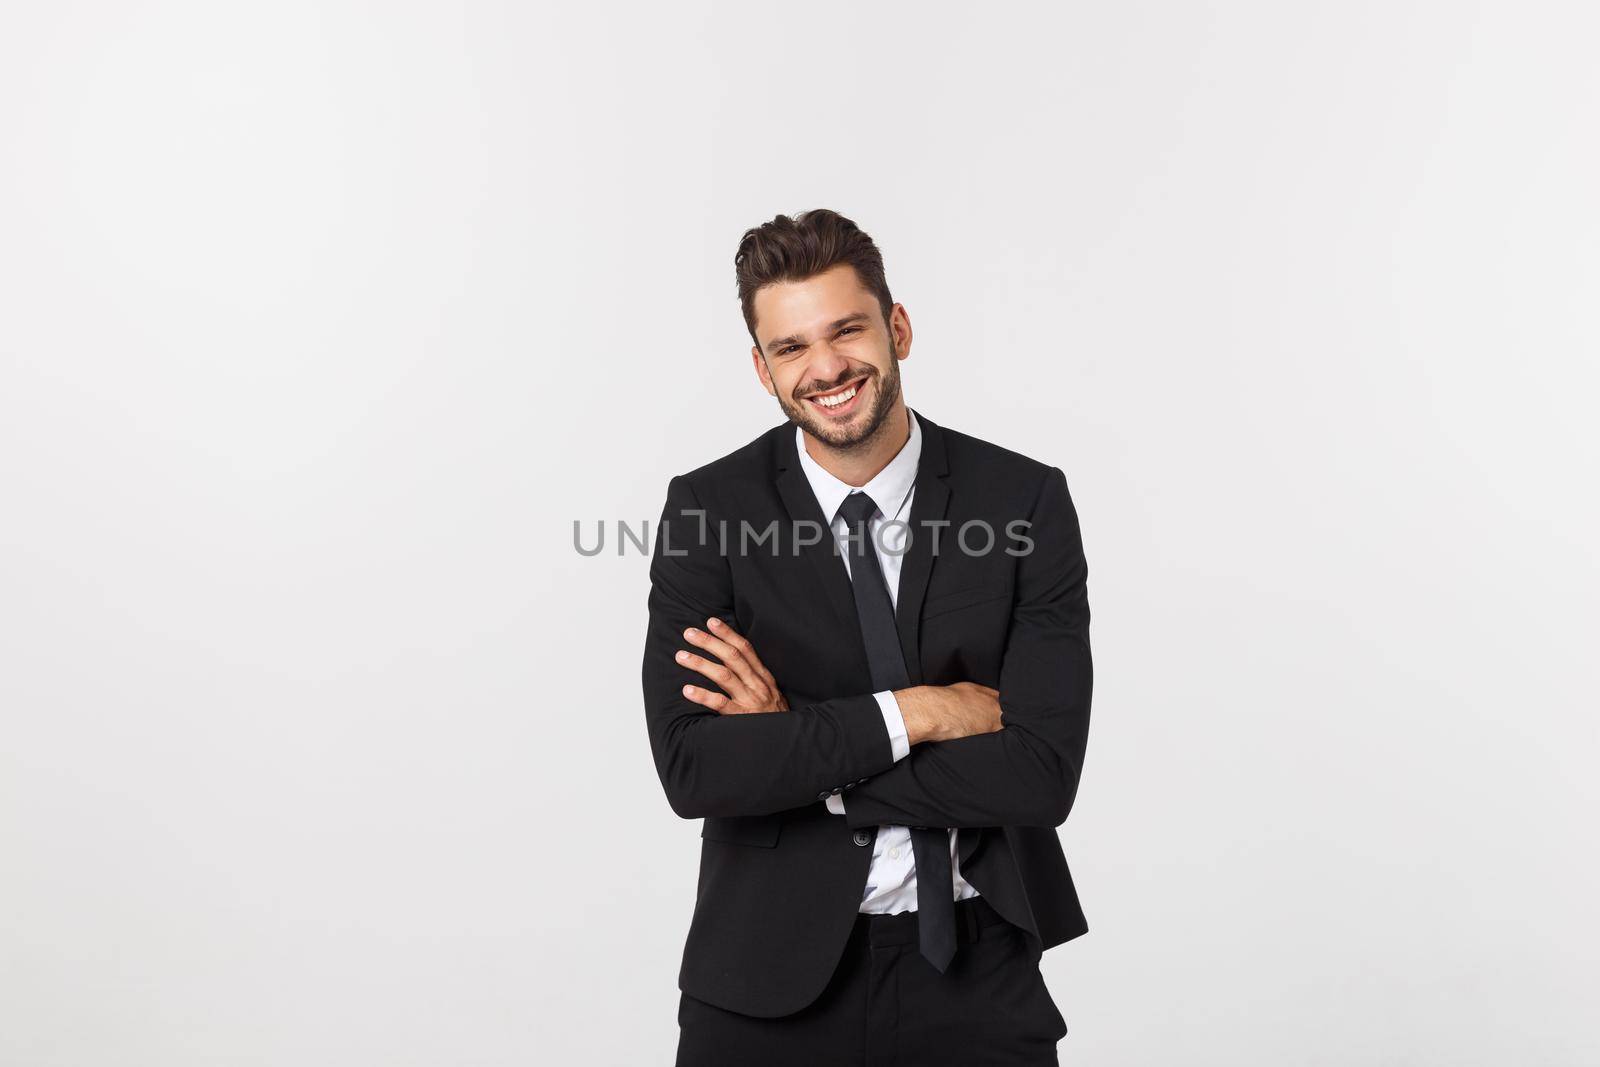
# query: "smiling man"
867,670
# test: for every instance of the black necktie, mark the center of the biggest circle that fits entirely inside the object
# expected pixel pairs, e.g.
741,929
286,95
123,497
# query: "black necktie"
936,911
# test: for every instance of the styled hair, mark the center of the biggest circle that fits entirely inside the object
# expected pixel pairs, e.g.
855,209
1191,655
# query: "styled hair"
794,249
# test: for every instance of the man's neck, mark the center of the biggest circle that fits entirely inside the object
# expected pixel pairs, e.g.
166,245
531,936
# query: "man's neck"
858,466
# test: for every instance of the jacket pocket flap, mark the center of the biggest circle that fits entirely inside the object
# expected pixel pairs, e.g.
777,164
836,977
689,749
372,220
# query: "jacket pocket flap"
964,598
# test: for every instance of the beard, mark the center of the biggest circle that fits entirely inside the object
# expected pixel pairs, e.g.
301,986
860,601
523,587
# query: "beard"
861,430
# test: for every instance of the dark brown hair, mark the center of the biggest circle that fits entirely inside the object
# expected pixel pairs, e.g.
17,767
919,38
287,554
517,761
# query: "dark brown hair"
792,250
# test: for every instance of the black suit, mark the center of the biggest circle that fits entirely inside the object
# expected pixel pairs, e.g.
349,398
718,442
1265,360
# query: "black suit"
781,877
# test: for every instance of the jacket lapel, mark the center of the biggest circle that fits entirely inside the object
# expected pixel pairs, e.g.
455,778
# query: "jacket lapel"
828,567
929,504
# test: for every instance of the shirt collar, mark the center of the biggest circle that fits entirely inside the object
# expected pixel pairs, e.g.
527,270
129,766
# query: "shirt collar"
888,489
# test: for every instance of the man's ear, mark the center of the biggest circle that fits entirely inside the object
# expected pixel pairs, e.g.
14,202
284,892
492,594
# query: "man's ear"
900,329
761,371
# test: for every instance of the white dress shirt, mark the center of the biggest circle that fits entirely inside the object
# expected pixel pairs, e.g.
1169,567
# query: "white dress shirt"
892,880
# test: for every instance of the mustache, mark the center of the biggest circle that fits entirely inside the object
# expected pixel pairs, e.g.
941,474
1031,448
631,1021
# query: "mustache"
813,387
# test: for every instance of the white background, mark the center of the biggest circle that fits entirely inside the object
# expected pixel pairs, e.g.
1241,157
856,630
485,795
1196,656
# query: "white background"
322,322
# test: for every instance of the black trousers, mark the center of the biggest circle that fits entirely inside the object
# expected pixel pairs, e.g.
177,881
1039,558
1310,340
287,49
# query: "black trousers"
885,1006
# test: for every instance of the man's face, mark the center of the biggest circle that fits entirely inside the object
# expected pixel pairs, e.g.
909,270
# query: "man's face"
828,357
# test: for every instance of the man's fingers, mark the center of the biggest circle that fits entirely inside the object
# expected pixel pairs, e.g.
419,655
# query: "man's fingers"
715,671
705,697
730,635
742,644
741,673
730,656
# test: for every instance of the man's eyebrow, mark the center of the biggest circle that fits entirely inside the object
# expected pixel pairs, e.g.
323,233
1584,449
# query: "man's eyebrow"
795,339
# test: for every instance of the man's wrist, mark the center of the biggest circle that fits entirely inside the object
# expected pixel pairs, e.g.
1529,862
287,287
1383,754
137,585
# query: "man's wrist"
917,713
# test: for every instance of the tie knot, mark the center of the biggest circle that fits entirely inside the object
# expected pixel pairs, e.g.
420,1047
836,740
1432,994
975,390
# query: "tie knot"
858,508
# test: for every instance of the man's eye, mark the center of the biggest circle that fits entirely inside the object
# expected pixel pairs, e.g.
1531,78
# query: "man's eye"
786,351
850,329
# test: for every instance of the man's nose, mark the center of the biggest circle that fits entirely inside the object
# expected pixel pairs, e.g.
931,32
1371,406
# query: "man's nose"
827,364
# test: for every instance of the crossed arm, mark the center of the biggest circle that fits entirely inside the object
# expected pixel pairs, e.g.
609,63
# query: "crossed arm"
979,758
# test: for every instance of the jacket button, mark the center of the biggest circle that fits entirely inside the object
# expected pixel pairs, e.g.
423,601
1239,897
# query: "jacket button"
823,795
862,837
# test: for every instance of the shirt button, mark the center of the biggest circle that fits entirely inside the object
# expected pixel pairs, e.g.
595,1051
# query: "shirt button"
894,853
862,837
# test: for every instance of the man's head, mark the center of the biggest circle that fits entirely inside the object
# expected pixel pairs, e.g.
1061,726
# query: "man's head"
828,337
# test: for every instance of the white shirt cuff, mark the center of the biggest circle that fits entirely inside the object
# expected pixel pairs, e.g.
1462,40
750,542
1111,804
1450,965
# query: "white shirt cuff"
899,740
836,803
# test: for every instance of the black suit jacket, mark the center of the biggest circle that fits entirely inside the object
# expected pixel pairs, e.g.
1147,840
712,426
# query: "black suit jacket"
781,877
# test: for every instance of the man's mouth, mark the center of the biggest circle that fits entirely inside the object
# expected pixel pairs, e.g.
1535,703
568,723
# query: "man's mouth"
836,403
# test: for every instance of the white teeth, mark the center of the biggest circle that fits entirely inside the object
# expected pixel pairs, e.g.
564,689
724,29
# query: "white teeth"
835,401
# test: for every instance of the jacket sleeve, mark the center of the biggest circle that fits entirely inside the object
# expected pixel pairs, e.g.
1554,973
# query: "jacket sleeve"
1026,774
720,765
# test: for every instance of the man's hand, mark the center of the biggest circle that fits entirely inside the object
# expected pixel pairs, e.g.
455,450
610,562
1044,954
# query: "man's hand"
948,712
749,686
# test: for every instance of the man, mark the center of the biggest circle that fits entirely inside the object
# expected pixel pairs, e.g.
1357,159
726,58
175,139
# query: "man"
868,670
